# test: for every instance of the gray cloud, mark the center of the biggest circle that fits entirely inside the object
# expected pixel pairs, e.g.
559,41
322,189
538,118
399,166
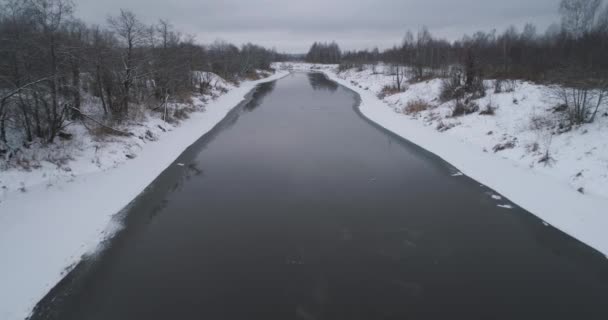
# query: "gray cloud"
292,25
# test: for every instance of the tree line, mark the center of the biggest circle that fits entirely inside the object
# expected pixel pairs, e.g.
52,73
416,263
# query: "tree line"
572,53
324,53
567,52
49,60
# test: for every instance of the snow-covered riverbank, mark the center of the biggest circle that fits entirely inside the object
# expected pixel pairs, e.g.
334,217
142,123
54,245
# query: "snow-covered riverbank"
570,193
60,215
63,213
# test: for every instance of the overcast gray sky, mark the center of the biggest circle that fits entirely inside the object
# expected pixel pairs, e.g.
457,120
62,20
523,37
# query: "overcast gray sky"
291,26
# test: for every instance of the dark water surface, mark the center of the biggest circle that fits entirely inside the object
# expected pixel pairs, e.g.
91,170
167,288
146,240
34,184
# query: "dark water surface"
296,207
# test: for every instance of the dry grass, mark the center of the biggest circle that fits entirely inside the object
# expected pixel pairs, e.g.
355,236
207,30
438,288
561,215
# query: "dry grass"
183,97
388,90
489,110
253,76
416,106
461,109
183,112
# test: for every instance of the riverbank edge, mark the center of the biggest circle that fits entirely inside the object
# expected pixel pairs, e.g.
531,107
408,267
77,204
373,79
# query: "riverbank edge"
48,230
583,217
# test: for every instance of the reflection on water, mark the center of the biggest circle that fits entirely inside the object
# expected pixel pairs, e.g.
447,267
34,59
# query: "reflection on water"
318,82
261,91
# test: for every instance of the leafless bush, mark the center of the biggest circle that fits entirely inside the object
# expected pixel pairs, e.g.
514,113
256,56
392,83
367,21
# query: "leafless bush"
504,85
543,126
416,106
182,111
375,69
541,123
505,145
547,159
442,126
345,66
452,87
489,109
388,90
203,82
253,75
476,88
533,147
399,76
464,108
582,101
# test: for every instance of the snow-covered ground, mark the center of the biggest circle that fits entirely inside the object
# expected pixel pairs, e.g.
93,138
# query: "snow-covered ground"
62,208
570,192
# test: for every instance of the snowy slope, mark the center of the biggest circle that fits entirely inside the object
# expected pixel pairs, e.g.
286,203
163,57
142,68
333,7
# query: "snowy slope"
59,218
552,192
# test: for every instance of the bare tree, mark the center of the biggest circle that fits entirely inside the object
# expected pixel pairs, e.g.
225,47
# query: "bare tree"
51,16
76,32
602,20
423,52
399,76
578,16
49,61
132,34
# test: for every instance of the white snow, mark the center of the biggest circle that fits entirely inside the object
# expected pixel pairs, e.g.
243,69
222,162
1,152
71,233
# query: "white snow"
65,209
505,206
54,214
580,157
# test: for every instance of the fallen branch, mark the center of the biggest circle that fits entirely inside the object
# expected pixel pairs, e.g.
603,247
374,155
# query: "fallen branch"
119,132
23,87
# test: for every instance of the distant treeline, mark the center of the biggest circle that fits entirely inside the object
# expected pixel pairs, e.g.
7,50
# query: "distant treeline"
575,50
324,53
49,59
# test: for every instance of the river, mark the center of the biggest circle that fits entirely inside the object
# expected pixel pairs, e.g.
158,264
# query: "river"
297,207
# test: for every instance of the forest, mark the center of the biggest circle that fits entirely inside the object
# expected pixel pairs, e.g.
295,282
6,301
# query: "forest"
49,60
572,53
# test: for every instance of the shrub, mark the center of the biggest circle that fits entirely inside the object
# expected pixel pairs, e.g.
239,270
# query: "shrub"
476,88
345,66
489,109
581,101
504,85
541,123
388,90
252,75
455,87
183,112
504,146
464,108
416,106
452,87
442,126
